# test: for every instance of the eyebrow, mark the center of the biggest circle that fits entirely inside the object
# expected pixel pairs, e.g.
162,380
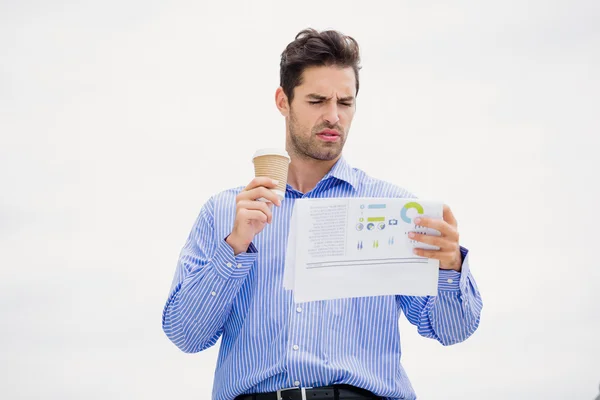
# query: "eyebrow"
316,96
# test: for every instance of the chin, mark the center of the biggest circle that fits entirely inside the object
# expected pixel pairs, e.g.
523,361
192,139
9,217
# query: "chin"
327,155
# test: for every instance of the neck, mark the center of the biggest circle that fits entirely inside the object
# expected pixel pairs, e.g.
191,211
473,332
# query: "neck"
305,173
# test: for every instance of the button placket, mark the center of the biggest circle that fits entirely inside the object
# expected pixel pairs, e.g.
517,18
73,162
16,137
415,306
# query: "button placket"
294,344
298,311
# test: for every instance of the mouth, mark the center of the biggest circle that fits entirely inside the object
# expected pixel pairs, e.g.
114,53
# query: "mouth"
329,135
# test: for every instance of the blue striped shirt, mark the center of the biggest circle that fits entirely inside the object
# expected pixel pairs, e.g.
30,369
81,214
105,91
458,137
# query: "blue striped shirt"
268,341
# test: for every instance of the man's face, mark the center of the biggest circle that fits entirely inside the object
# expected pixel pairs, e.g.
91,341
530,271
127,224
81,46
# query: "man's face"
321,112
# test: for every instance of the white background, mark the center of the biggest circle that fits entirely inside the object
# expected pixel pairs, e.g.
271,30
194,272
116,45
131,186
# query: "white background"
118,119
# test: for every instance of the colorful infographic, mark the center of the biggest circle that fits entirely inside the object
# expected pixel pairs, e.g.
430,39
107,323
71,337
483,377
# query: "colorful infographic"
408,206
386,224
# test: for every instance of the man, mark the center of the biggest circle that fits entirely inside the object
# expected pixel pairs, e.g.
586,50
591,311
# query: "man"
228,280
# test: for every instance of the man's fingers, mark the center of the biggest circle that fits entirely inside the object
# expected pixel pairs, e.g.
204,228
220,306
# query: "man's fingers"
256,205
439,225
435,254
443,256
443,243
261,181
449,216
257,215
260,192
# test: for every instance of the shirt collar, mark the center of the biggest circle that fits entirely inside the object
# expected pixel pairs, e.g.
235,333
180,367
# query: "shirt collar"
343,171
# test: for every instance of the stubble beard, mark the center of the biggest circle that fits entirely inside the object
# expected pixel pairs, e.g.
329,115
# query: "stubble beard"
308,147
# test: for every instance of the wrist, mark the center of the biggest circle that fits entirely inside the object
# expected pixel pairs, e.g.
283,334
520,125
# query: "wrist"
454,265
237,246
457,264
459,261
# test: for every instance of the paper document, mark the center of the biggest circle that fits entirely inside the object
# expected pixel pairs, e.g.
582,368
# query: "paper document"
354,247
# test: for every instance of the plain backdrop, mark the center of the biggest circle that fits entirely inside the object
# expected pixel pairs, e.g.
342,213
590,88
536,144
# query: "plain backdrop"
119,119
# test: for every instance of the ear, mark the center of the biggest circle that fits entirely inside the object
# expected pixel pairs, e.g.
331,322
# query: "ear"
281,101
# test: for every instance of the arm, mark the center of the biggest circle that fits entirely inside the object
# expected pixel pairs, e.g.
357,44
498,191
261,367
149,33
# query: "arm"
451,316
207,279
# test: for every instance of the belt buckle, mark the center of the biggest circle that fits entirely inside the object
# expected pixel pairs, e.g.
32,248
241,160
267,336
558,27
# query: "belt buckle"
302,391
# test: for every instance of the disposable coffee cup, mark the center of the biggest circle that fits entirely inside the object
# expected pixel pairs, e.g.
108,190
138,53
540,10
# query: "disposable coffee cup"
272,163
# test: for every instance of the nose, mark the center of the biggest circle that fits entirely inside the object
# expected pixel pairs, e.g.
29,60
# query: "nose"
331,113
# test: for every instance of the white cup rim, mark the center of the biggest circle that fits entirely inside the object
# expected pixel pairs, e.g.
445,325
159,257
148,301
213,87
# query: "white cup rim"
279,193
271,151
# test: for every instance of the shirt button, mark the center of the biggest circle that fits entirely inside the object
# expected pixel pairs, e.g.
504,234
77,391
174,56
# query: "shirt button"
239,265
449,281
296,383
229,265
295,347
213,293
299,309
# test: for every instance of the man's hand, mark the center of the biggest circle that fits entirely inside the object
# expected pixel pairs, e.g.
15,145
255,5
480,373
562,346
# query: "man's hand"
449,252
252,215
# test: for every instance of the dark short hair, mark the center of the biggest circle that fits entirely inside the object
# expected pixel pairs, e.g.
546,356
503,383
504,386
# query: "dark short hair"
314,48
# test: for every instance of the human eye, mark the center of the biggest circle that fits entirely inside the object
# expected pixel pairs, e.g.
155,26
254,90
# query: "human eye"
315,102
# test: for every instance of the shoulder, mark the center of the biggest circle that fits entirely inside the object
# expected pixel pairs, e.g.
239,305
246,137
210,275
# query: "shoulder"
220,204
373,187
226,198
219,210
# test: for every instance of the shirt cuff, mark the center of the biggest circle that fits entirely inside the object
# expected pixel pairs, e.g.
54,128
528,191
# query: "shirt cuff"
449,280
228,265
453,280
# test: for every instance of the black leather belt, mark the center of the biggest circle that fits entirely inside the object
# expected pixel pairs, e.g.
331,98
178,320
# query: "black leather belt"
336,392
